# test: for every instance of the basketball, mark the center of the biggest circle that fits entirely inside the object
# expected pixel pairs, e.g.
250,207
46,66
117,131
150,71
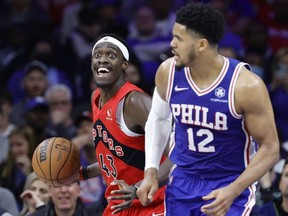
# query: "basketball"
56,161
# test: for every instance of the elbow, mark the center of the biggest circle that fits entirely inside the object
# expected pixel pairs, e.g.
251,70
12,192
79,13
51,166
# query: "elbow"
276,153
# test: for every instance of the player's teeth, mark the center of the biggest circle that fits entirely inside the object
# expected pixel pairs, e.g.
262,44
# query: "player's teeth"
103,69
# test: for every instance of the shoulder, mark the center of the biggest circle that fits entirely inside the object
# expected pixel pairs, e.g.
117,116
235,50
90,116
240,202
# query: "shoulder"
136,98
250,84
164,66
162,77
41,211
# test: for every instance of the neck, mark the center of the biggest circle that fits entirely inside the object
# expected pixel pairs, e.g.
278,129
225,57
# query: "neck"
285,203
106,93
205,73
69,212
4,124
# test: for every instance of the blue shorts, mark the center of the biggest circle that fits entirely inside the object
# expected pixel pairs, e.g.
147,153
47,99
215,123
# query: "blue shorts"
184,193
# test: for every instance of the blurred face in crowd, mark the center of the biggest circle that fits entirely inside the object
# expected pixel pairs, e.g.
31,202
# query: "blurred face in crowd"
41,189
59,100
283,185
18,145
37,118
35,83
145,21
133,74
65,197
281,69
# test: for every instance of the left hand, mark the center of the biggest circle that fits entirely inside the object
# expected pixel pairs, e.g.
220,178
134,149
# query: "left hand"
223,199
125,192
31,198
23,162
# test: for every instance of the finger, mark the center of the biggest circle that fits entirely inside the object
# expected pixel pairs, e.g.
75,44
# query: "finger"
152,193
121,184
26,194
123,197
209,196
217,210
121,207
141,194
211,206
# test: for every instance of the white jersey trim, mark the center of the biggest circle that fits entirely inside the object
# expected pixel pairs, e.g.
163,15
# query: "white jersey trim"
121,122
210,88
231,99
170,80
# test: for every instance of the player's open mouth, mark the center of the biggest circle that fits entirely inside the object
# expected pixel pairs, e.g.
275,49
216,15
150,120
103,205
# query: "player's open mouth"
102,71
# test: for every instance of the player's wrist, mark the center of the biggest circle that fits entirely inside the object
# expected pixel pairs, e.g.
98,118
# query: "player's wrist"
83,173
135,188
151,172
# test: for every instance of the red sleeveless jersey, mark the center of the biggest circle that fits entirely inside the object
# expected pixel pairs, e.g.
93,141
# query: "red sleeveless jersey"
119,156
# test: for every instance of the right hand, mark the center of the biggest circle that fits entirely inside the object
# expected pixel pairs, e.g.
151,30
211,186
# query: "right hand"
148,187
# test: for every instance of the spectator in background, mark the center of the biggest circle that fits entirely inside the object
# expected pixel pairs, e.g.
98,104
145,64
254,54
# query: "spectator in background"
69,21
15,44
45,50
35,194
111,18
79,44
8,201
278,89
258,53
147,42
28,12
279,205
256,62
5,125
64,201
228,52
134,74
36,115
81,40
92,190
13,173
275,18
34,84
164,15
59,98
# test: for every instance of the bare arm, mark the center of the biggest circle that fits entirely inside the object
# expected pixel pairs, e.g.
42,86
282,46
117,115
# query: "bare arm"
251,100
136,110
91,171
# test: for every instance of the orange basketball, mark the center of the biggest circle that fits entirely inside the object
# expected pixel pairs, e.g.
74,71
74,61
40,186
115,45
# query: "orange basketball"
56,161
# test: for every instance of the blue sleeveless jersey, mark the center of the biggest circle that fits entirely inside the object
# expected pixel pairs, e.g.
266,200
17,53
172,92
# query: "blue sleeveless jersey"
209,138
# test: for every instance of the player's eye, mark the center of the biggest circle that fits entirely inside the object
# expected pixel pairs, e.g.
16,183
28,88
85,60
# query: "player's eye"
97,55
112,55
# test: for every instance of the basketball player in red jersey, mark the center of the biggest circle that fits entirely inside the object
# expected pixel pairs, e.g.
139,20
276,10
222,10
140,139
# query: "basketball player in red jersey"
120,111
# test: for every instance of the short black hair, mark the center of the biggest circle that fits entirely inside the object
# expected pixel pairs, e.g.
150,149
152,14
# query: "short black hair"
202,19
122,40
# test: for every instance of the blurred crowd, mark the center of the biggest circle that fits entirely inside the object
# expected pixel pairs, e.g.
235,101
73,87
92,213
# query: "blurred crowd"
46,80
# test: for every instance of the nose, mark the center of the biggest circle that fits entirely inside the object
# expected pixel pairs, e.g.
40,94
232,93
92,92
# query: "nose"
103,59
173,43
64,188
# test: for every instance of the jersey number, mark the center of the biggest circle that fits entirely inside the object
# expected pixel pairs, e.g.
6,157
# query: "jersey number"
109,169
201,146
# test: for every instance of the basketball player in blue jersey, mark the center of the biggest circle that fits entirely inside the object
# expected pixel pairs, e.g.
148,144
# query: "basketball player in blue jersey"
218,107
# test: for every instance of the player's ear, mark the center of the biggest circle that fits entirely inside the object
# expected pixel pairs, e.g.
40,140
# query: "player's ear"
125,65
203,44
